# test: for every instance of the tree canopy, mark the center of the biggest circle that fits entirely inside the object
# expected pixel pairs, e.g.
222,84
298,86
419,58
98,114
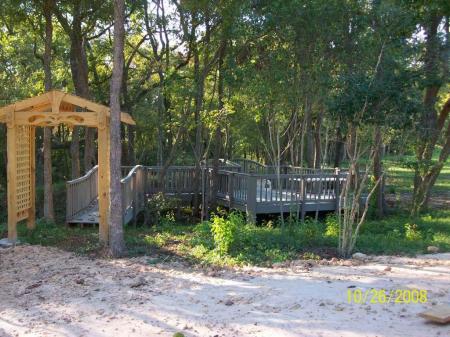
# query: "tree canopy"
228,78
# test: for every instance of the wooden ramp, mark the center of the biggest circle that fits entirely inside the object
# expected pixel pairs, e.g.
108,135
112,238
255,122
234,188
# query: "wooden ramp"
82,196
88,215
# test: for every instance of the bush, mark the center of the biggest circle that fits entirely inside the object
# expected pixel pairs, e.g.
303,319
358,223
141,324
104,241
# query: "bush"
159,210
224,231
230,240
412,232
332,224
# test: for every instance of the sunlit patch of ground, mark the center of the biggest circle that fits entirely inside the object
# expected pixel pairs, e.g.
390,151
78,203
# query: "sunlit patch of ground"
49,292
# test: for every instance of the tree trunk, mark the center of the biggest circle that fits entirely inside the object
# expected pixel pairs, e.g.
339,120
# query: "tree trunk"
117,243
161,111
79,70
302,142
378,171
89,149
339,147
317,144
131,154
309,135
75,152
49,213
218,131
352,152
198,148
432,124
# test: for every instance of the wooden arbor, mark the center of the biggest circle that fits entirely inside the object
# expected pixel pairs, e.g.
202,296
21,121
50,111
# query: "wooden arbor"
51,109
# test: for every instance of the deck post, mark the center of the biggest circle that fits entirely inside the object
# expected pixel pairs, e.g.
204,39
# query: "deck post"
303,198
230,189
135,198
144,185
251,199
68,202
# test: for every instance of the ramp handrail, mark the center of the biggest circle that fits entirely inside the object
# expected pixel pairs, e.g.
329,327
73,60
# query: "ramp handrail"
81,192
133,193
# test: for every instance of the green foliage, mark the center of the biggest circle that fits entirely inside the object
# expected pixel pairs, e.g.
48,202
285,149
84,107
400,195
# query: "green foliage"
225,231
397,234
159,209
229,239
79,240
332,224
250,244
412,232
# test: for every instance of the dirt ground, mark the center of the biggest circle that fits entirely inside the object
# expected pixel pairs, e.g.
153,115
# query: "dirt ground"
49,292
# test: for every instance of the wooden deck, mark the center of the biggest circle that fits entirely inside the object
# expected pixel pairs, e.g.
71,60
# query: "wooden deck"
247,186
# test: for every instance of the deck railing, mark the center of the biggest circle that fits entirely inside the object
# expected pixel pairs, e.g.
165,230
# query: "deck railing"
254,167
81,192
133,193
176,179
264,192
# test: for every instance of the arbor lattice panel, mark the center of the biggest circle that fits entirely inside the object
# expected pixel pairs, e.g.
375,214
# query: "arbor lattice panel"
23,159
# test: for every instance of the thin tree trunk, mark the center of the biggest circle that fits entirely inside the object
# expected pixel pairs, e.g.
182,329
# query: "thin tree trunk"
378,171
77,77
317,144
325,160
131,154
49,213
79,70
338,148
217,131
117,243
309,135
432,123
198,148
302,142
75,152
89,149
161,112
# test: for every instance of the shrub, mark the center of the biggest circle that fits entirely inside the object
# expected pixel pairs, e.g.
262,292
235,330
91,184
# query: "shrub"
224,231
412,232
158,208
332,224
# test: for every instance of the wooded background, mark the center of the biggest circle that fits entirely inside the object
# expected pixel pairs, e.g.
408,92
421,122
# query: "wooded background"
279,81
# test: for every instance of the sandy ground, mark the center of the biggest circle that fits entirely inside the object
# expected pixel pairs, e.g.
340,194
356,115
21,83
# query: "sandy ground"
48,292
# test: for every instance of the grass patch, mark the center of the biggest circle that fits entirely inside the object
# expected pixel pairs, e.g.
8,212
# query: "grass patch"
228,240
400,175
75,239
399,234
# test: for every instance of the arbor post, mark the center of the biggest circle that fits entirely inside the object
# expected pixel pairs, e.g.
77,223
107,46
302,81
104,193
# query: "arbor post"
31,221
12,179
103,178
251,199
